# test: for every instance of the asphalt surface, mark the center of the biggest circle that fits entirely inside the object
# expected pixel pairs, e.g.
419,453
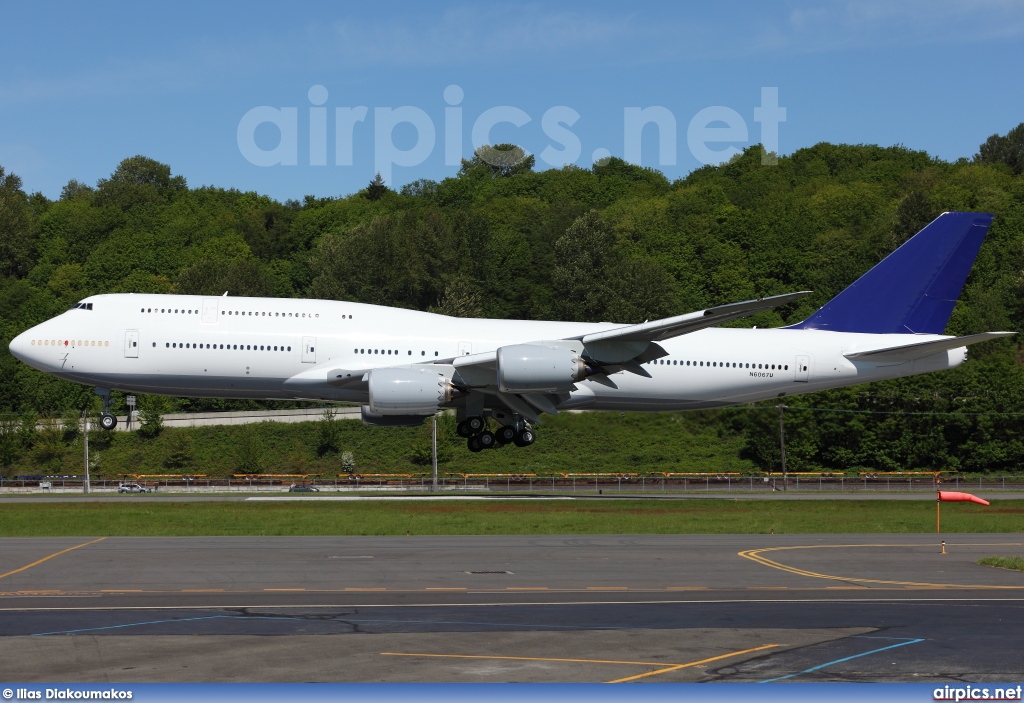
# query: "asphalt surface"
644,608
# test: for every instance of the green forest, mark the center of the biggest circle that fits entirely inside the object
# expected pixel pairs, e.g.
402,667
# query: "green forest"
616,242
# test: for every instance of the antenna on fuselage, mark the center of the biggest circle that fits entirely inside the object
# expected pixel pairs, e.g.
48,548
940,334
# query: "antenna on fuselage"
225,294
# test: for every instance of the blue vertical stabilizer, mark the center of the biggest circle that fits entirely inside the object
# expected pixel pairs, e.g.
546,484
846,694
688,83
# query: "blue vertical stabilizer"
914,289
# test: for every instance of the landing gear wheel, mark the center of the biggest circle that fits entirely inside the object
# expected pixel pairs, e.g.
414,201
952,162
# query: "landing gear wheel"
486,439
475,424
108,421
506,434
463,429
525,438
474,444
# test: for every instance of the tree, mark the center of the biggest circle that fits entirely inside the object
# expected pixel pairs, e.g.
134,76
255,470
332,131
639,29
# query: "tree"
76,190
179,451
10,439
461,298
239,277
151,414
138,180
328,434
912,214
17,238
580,277
1007,150
500,161
377,188
249,451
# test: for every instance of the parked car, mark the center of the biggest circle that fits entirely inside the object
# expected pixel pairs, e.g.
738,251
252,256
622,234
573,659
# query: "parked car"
133,488
302,488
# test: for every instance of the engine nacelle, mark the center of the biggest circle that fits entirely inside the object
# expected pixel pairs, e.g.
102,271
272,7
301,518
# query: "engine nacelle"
416,391
377,420
533,368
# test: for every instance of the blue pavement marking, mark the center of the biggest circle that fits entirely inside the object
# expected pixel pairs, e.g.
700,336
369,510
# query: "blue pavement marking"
844,659
160,622
337,620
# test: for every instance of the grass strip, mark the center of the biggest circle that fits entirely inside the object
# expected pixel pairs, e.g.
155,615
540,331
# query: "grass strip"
527,517
1015,563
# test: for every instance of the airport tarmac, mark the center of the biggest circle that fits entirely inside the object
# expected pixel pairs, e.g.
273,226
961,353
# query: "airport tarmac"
627,608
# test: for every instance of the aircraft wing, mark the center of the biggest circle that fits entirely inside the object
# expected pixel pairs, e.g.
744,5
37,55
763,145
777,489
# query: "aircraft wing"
909,352
611,351
690,322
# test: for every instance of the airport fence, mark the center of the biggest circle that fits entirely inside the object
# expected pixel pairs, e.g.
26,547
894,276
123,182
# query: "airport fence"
598,484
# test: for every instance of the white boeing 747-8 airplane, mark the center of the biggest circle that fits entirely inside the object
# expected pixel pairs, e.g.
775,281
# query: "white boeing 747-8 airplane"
404,365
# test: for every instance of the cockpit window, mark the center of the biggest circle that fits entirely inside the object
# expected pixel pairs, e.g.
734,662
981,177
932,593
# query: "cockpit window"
81,306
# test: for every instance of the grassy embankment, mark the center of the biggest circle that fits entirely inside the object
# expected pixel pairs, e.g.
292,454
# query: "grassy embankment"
569,443
310,516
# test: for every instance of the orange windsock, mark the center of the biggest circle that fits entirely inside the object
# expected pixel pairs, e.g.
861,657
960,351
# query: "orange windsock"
953,496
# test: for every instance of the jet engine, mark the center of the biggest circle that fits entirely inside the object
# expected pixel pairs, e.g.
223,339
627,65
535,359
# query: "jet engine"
534,368
415,391
377,420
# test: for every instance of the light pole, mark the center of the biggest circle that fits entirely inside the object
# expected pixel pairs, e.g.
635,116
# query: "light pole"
433,449
130,400
85,442
782,442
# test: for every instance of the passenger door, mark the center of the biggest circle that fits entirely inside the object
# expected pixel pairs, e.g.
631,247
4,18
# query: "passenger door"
131,343
210,309
309,350
803,369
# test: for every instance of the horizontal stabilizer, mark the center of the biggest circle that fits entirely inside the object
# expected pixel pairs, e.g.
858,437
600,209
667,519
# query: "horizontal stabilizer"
909,352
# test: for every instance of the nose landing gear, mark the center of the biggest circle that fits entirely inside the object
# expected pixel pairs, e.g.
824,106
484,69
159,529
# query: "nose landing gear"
107,420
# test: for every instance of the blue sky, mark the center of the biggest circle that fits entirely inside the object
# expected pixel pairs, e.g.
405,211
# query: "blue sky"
84,86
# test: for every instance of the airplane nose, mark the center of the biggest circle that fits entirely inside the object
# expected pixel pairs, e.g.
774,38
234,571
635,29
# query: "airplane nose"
19,346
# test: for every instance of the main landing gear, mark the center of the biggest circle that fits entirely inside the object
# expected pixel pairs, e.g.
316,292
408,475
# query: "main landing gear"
478,437
107,420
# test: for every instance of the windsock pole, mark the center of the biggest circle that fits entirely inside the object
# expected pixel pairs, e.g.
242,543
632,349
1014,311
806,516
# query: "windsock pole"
956,497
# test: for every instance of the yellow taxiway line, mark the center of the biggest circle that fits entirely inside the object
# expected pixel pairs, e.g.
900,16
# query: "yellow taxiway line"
676,667
755,556
47,558
663,669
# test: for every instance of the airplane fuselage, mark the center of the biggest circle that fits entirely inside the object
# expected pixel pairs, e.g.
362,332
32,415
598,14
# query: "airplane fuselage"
231,347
